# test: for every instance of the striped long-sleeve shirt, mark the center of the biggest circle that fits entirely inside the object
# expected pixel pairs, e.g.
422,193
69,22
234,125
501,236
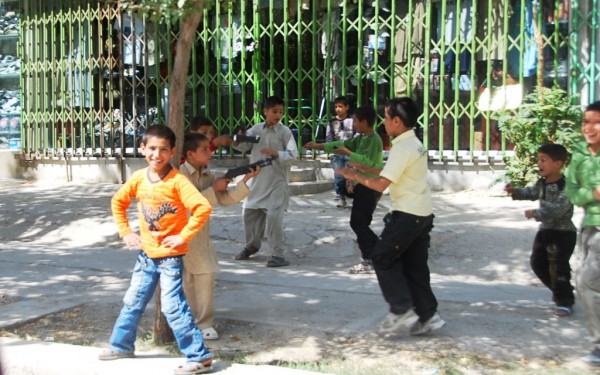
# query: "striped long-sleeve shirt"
162,209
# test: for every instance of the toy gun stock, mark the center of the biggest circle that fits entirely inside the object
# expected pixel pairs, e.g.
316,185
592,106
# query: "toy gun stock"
238,171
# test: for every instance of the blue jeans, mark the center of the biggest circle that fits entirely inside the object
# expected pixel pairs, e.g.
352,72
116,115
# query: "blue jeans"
147,273
339,182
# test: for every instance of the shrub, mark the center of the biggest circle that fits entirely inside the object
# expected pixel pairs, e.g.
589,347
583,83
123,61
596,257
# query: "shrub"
546,116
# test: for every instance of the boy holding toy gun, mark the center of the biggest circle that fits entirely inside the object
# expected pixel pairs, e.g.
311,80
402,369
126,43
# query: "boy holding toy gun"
201,263
268,198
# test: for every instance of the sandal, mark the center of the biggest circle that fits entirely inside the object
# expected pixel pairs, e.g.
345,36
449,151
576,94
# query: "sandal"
109,355
209,334
563,311
362,267
192,368
277,262
245,254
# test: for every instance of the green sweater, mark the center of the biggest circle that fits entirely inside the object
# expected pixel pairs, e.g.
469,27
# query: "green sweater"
583,176
365,149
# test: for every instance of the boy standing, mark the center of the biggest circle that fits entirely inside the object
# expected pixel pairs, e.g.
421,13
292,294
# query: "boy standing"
340,128
201,263
401,252
164,196
366,149
555,240
583,189
269,195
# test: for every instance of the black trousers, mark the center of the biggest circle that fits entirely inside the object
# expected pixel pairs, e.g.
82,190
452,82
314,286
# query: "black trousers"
363,206
400,262
550,255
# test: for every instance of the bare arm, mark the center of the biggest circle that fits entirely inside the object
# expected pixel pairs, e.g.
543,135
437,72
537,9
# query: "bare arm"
375,183
365,169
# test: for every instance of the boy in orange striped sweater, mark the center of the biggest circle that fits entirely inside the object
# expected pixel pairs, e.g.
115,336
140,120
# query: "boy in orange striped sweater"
163,198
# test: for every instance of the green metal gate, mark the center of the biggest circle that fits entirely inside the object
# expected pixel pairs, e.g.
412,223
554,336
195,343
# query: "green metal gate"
94,77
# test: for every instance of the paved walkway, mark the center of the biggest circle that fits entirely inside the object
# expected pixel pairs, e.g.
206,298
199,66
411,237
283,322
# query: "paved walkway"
59,250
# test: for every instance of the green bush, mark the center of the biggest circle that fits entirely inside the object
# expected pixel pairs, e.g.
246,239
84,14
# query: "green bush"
546,116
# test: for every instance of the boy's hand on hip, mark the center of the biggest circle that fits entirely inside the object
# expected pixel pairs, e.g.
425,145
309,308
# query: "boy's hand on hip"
172,242
597,193
132,241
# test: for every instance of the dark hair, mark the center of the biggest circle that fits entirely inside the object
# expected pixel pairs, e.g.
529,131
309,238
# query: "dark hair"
555,151
191,142
406,109
594,107
199,121
159,131
366,113
342,100
272,101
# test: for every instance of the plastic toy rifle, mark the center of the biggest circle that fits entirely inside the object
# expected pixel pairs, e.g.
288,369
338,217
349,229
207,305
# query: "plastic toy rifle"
246,138
238,171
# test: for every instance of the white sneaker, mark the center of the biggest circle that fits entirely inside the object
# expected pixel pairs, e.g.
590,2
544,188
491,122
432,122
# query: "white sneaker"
435,322
210,334
393,322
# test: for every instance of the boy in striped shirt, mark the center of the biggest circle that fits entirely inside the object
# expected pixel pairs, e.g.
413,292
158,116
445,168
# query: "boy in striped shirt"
163,197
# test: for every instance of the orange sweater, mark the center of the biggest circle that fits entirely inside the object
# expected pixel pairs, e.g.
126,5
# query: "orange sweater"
162,210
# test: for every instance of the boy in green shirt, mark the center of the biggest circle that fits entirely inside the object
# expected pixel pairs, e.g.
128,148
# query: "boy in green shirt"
367,149
583,189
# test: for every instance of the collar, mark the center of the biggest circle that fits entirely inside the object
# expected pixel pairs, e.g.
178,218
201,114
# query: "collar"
404,136
274,127
191,170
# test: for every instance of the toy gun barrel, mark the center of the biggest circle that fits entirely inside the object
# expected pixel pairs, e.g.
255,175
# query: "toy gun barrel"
246,138
238,171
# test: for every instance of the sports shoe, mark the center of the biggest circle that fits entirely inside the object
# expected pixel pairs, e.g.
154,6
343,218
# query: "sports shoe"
245,254
362,267
393,322
593,358
435,322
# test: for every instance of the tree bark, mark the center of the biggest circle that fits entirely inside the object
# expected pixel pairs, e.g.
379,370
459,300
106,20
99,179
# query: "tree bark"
162,332
179,74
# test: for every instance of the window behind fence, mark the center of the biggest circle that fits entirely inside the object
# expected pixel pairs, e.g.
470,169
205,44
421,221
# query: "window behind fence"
94,77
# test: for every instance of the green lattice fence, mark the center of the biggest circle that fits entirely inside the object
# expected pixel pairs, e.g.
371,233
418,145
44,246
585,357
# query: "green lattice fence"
94,77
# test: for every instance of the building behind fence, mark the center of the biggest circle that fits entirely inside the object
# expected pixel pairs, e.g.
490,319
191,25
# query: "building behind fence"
86,78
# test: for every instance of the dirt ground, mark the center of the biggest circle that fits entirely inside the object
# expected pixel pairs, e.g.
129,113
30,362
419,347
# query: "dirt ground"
368,353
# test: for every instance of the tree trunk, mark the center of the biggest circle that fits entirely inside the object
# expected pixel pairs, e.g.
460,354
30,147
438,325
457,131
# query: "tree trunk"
179,74
162,331
540,46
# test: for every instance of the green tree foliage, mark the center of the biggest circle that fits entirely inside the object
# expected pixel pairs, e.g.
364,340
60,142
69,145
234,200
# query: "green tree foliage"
546,116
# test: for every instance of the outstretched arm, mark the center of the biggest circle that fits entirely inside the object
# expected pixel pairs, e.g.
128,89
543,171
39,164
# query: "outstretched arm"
375,183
